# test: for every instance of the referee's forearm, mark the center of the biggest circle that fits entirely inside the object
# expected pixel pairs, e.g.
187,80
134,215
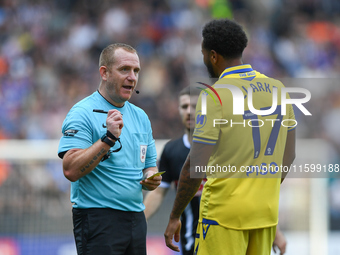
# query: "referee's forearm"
79,162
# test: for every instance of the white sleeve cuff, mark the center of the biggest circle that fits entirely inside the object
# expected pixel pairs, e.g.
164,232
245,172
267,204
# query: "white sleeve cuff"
165,185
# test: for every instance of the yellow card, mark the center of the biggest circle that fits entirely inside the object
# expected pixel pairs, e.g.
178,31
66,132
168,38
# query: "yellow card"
156,174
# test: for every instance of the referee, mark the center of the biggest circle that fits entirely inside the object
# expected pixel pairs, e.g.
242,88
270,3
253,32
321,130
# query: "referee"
108,153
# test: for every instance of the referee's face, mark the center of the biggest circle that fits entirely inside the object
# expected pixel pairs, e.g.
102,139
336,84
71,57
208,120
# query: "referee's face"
122,76
187,107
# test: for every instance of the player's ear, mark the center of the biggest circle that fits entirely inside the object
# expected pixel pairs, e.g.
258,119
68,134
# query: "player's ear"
213,57
103,72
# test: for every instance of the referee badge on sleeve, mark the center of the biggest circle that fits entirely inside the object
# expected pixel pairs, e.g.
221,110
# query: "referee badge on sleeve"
142,154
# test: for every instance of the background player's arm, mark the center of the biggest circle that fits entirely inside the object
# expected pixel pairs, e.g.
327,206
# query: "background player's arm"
199,156
289,154
153,201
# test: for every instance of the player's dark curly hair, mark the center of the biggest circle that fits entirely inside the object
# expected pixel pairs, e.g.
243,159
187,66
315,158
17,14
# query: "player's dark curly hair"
226,37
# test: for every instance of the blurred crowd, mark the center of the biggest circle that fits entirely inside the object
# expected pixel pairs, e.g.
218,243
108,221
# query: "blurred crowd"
49,52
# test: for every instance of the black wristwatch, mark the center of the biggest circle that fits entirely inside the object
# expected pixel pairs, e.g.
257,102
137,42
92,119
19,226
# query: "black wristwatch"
112,136
106,140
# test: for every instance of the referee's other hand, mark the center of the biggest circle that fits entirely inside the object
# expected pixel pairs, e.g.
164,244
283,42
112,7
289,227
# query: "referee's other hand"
151,184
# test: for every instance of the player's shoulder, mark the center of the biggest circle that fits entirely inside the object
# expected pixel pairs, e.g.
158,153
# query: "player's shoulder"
260,75
277,82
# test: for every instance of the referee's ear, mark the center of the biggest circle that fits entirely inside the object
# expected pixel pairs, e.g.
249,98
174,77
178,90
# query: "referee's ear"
103,72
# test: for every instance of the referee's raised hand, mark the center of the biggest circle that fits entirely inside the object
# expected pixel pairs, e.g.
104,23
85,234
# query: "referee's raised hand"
114,122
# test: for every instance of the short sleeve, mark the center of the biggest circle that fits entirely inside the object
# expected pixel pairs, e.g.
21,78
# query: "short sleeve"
206,128
77,131
151,153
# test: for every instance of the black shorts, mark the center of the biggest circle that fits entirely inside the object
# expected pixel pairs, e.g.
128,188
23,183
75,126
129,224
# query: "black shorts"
104,231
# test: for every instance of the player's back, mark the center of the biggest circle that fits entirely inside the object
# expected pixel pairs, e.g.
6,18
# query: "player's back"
243,192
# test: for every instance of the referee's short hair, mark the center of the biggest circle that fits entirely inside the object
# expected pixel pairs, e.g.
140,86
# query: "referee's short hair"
107,55
224,36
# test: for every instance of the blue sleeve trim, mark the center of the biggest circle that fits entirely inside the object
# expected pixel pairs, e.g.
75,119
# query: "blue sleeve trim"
203,142
208,140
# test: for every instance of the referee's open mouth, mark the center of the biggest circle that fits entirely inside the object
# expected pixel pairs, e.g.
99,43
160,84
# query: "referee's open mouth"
128,87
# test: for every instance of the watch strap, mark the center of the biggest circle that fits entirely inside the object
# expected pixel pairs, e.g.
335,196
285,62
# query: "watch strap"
106,140
112,136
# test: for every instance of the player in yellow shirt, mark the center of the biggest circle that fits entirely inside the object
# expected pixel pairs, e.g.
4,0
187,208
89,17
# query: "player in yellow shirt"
242,154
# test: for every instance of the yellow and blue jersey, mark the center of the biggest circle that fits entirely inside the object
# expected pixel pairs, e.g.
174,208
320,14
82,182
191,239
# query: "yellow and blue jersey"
250,147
